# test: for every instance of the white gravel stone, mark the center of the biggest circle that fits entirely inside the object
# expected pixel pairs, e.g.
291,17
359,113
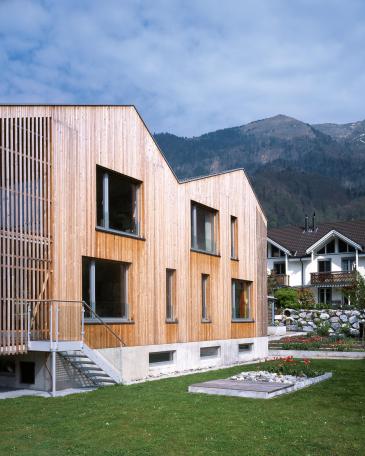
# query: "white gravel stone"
266,377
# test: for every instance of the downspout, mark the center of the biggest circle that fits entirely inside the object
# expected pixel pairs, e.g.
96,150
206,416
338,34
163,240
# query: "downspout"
301,262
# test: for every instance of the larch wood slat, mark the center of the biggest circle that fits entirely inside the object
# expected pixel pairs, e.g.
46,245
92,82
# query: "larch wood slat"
65,144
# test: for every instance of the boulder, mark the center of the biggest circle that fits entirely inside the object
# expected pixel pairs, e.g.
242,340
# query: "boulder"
352,319
307,328
336,326
356,325
334,319
278,317
302,314
356,313
354,332
324,316
343,318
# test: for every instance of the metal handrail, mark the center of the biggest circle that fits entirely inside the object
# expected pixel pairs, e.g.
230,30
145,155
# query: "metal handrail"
122,344
84,305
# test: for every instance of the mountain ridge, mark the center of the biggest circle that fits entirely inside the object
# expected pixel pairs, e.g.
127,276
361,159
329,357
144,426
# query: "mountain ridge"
295,167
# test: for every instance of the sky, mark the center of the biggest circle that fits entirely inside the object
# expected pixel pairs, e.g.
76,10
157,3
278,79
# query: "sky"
189,66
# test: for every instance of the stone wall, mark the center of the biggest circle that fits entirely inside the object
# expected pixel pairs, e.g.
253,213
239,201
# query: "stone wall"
339,321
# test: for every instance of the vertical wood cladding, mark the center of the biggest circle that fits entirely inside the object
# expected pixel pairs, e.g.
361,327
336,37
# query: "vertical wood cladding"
115,138
25,221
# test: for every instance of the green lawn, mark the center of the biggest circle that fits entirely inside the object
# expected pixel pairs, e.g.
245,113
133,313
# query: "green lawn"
161,418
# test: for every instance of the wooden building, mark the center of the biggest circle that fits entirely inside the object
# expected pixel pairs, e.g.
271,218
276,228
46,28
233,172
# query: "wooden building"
106,256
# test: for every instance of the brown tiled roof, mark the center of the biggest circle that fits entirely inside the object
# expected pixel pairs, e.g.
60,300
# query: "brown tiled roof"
297,241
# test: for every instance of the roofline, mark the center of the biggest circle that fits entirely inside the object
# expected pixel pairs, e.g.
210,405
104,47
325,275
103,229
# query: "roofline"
329,235
276,244
180,181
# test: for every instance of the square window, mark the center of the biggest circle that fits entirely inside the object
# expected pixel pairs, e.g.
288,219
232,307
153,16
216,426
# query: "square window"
117,202
105,288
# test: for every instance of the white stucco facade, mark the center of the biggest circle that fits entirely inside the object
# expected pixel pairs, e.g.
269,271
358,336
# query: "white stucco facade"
299,269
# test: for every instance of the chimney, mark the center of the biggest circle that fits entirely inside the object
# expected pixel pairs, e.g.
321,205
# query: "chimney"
313,221
306,224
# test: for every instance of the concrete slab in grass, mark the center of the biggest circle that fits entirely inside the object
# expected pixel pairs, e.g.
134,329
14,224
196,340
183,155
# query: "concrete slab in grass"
256,390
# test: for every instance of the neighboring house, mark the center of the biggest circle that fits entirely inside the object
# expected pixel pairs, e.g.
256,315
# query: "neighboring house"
112,270
322,258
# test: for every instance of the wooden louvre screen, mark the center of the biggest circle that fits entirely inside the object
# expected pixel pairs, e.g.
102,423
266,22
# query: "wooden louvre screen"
25,226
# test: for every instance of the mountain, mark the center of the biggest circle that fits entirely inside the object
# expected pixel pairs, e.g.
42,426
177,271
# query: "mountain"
295,167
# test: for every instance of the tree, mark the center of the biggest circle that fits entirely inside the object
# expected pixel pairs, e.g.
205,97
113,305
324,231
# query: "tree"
356,293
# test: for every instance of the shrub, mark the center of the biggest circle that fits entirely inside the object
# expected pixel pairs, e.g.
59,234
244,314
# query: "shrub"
287,297
305,299
323,329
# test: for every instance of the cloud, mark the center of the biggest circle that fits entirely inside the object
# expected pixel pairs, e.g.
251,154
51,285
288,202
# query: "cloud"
189,66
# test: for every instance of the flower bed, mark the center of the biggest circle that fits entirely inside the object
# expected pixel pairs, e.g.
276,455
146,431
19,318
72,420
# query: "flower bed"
290,366
313,343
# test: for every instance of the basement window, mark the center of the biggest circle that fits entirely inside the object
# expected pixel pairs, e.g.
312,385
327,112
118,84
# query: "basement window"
244,348
162,357
117,202
209,352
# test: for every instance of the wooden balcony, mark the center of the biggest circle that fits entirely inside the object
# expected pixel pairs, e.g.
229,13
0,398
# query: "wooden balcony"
282,280
332,279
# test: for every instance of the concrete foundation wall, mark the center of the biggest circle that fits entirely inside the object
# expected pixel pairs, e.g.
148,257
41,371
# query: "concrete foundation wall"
133,362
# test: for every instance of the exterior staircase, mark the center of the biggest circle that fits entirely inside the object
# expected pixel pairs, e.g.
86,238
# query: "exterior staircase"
93,366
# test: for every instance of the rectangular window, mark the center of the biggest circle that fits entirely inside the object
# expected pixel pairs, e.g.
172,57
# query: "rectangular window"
241,290
161,357
347,264
209,352
205,296
117,202
234,238
279,268
243,348
170,294
344,247
105,288
324,295
324,265
203,228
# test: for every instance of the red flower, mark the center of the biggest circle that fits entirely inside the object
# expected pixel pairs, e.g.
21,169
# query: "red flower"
306,361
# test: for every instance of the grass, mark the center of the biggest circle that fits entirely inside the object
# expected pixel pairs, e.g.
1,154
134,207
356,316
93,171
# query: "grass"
161,418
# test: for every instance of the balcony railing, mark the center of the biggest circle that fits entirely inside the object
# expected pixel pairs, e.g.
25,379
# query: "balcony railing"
332,279
282,280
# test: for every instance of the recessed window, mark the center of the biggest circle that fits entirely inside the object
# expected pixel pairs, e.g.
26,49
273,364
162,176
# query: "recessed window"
348,264
205,288
328,248
105,288
170,293
161,357
209,352
234,238
203,228
243,348
117,202
344,247
324,266
279,268
27,372
241,290
324,295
